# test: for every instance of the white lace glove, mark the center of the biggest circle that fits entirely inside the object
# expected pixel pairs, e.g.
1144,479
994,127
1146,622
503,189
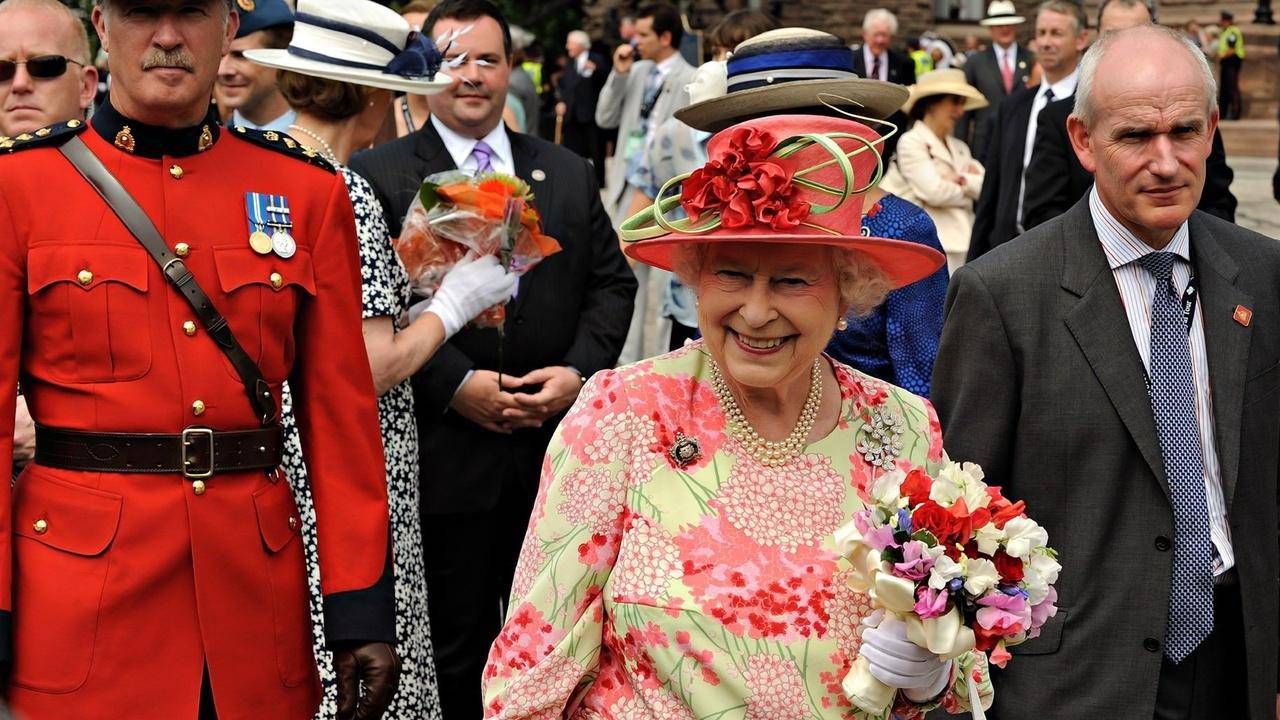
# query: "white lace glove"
470,288
900,663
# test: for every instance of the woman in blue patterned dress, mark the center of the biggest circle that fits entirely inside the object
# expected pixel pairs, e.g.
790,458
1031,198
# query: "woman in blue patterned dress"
334,119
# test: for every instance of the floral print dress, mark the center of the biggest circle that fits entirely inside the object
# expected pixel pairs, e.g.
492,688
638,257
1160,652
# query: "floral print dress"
649,588
385,292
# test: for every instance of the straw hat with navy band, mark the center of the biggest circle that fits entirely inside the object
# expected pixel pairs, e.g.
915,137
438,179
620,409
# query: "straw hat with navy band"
1001,12
361,42
792,70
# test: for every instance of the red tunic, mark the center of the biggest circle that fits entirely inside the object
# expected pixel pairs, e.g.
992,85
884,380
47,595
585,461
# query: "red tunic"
136,583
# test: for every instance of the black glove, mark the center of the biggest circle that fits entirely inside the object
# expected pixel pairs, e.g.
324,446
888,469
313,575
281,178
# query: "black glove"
377,667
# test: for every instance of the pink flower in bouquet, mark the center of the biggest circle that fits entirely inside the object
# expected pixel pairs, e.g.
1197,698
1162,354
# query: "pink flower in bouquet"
1004,615
930,603
916,562
1042,611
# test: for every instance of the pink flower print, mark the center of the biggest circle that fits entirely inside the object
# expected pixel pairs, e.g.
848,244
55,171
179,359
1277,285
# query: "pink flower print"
525,640
599,551
846,609
832,681
935,434
754,590
528,566
541,693
655,703
787,507
775,689
647,562
593,497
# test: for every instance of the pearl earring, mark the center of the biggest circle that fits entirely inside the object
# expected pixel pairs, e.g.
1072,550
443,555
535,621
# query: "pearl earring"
842,325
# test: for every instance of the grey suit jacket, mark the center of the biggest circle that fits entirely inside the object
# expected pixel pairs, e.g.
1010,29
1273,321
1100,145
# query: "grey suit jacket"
1038,380
983,72
619,107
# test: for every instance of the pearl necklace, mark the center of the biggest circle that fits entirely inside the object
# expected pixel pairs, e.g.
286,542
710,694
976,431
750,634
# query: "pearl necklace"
325,148
768,452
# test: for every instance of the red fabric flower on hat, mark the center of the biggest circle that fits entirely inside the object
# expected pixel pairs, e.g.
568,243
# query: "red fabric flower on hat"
745,185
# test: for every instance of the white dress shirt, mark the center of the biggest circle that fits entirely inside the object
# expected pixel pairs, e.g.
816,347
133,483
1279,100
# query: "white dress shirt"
1137,290
1064,88
460,148
883,70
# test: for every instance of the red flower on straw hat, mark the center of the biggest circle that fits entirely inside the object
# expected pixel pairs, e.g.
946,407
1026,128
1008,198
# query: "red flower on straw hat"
745,185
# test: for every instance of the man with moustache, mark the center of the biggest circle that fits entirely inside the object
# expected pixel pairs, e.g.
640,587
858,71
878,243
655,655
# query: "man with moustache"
156,566
250,89
483,442
1116,368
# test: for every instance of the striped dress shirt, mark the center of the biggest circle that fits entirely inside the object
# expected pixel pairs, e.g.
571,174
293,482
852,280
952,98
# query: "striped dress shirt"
1137,289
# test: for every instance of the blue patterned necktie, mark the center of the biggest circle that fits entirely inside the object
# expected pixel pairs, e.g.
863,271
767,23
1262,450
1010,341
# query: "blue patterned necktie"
1173,402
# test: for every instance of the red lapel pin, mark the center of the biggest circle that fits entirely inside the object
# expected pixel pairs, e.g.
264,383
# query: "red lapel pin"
1242,315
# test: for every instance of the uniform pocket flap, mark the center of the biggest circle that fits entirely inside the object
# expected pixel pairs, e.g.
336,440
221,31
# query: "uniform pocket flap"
277,515
87,266
241,267
66,516
1049,640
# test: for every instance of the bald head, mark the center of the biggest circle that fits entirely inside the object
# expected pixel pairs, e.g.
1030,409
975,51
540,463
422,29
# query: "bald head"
1117,55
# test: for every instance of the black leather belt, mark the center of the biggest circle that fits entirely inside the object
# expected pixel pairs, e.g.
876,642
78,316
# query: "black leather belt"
196,452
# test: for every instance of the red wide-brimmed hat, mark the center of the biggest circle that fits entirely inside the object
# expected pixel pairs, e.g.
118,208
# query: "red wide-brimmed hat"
797,179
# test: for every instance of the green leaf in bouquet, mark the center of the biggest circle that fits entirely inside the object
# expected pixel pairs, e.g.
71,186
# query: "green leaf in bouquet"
925,537
427,194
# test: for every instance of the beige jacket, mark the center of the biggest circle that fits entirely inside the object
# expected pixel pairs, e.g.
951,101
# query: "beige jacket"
928,172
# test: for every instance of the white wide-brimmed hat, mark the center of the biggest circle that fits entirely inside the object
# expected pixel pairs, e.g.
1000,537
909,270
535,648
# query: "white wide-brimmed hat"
1002,12
360,42
949,81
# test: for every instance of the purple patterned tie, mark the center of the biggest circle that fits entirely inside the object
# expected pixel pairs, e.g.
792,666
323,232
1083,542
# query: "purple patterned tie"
483,155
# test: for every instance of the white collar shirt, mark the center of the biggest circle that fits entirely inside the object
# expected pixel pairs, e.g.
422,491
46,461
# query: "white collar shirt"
1064,88
868,58
460,147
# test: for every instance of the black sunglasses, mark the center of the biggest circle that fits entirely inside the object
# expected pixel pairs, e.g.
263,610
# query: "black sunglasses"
44,67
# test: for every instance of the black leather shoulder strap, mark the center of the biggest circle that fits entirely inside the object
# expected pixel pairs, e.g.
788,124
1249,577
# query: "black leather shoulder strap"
140,225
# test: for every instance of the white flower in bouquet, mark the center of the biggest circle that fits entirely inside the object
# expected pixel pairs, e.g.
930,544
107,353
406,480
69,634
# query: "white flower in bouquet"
989,537
1023,536
960,480
1041,573
944,571
887,488
981,575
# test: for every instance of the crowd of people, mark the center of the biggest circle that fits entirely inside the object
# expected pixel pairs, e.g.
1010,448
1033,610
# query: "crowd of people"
258,472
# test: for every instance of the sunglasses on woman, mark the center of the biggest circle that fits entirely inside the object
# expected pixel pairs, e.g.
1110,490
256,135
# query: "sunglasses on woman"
43,67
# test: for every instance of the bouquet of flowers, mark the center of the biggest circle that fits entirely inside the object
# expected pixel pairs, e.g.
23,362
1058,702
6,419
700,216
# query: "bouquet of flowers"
960,564
456,215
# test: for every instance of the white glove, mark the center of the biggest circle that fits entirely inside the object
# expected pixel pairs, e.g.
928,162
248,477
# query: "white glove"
900,663
470,288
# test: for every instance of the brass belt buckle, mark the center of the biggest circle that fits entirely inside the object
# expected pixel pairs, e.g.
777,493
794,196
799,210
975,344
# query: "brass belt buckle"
187,436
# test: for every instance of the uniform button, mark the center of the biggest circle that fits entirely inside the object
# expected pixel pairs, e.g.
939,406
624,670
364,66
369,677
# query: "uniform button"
189,328
84,277
197,407
1151,645
182,249
293,523
1163,543
176,171
41,526
277,280
198,487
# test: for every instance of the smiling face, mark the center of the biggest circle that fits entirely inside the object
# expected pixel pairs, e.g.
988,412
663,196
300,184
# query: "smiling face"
877,36
649,44
1150,136
247,86
472,106
767,310
164,56
26,102
1058,43
1004,35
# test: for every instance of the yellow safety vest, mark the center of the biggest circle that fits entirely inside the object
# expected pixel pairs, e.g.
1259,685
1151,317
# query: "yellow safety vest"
1224,44
923,60
535,72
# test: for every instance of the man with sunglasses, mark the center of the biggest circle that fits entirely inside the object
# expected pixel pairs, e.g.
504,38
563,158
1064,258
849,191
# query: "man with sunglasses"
45,73
151,560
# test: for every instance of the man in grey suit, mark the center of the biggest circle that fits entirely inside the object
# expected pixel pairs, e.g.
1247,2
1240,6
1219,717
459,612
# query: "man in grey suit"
1117,369
997,72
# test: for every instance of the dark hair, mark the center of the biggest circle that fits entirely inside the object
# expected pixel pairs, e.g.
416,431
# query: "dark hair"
738,26
921,108
330,99
422,6
468,10
277,37
1227,15
666,19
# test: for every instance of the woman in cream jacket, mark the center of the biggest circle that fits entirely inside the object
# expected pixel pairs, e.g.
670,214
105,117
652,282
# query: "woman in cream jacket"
934,169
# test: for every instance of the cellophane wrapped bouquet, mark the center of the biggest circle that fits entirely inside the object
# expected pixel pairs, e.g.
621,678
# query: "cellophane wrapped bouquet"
963,566
457,215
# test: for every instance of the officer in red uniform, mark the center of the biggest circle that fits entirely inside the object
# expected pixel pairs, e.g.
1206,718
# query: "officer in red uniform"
157,571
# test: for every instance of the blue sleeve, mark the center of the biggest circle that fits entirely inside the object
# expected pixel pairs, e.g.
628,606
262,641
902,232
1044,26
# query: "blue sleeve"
913,316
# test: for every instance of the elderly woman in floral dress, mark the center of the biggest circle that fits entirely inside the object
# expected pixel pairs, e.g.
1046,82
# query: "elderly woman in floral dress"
680,560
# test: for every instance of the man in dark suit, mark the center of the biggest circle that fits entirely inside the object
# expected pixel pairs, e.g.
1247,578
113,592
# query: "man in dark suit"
1061,37
1055,180
997,72
875,60
579,89
1162,503
482,444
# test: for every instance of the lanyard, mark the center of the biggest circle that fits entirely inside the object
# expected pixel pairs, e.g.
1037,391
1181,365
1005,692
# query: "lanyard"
1188,301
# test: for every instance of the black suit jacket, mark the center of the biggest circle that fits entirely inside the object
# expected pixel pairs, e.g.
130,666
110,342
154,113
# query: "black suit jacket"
902,70
982,71
996,214
578,93
1038,380
1056,179
572,309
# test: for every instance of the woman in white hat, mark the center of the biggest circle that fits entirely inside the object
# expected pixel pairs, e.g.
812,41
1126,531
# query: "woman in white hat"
346,58
933,168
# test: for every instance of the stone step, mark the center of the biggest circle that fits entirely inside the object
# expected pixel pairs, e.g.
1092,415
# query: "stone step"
1251,138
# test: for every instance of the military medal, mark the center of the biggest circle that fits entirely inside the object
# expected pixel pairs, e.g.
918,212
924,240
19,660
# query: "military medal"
261,242
283,244
270,211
